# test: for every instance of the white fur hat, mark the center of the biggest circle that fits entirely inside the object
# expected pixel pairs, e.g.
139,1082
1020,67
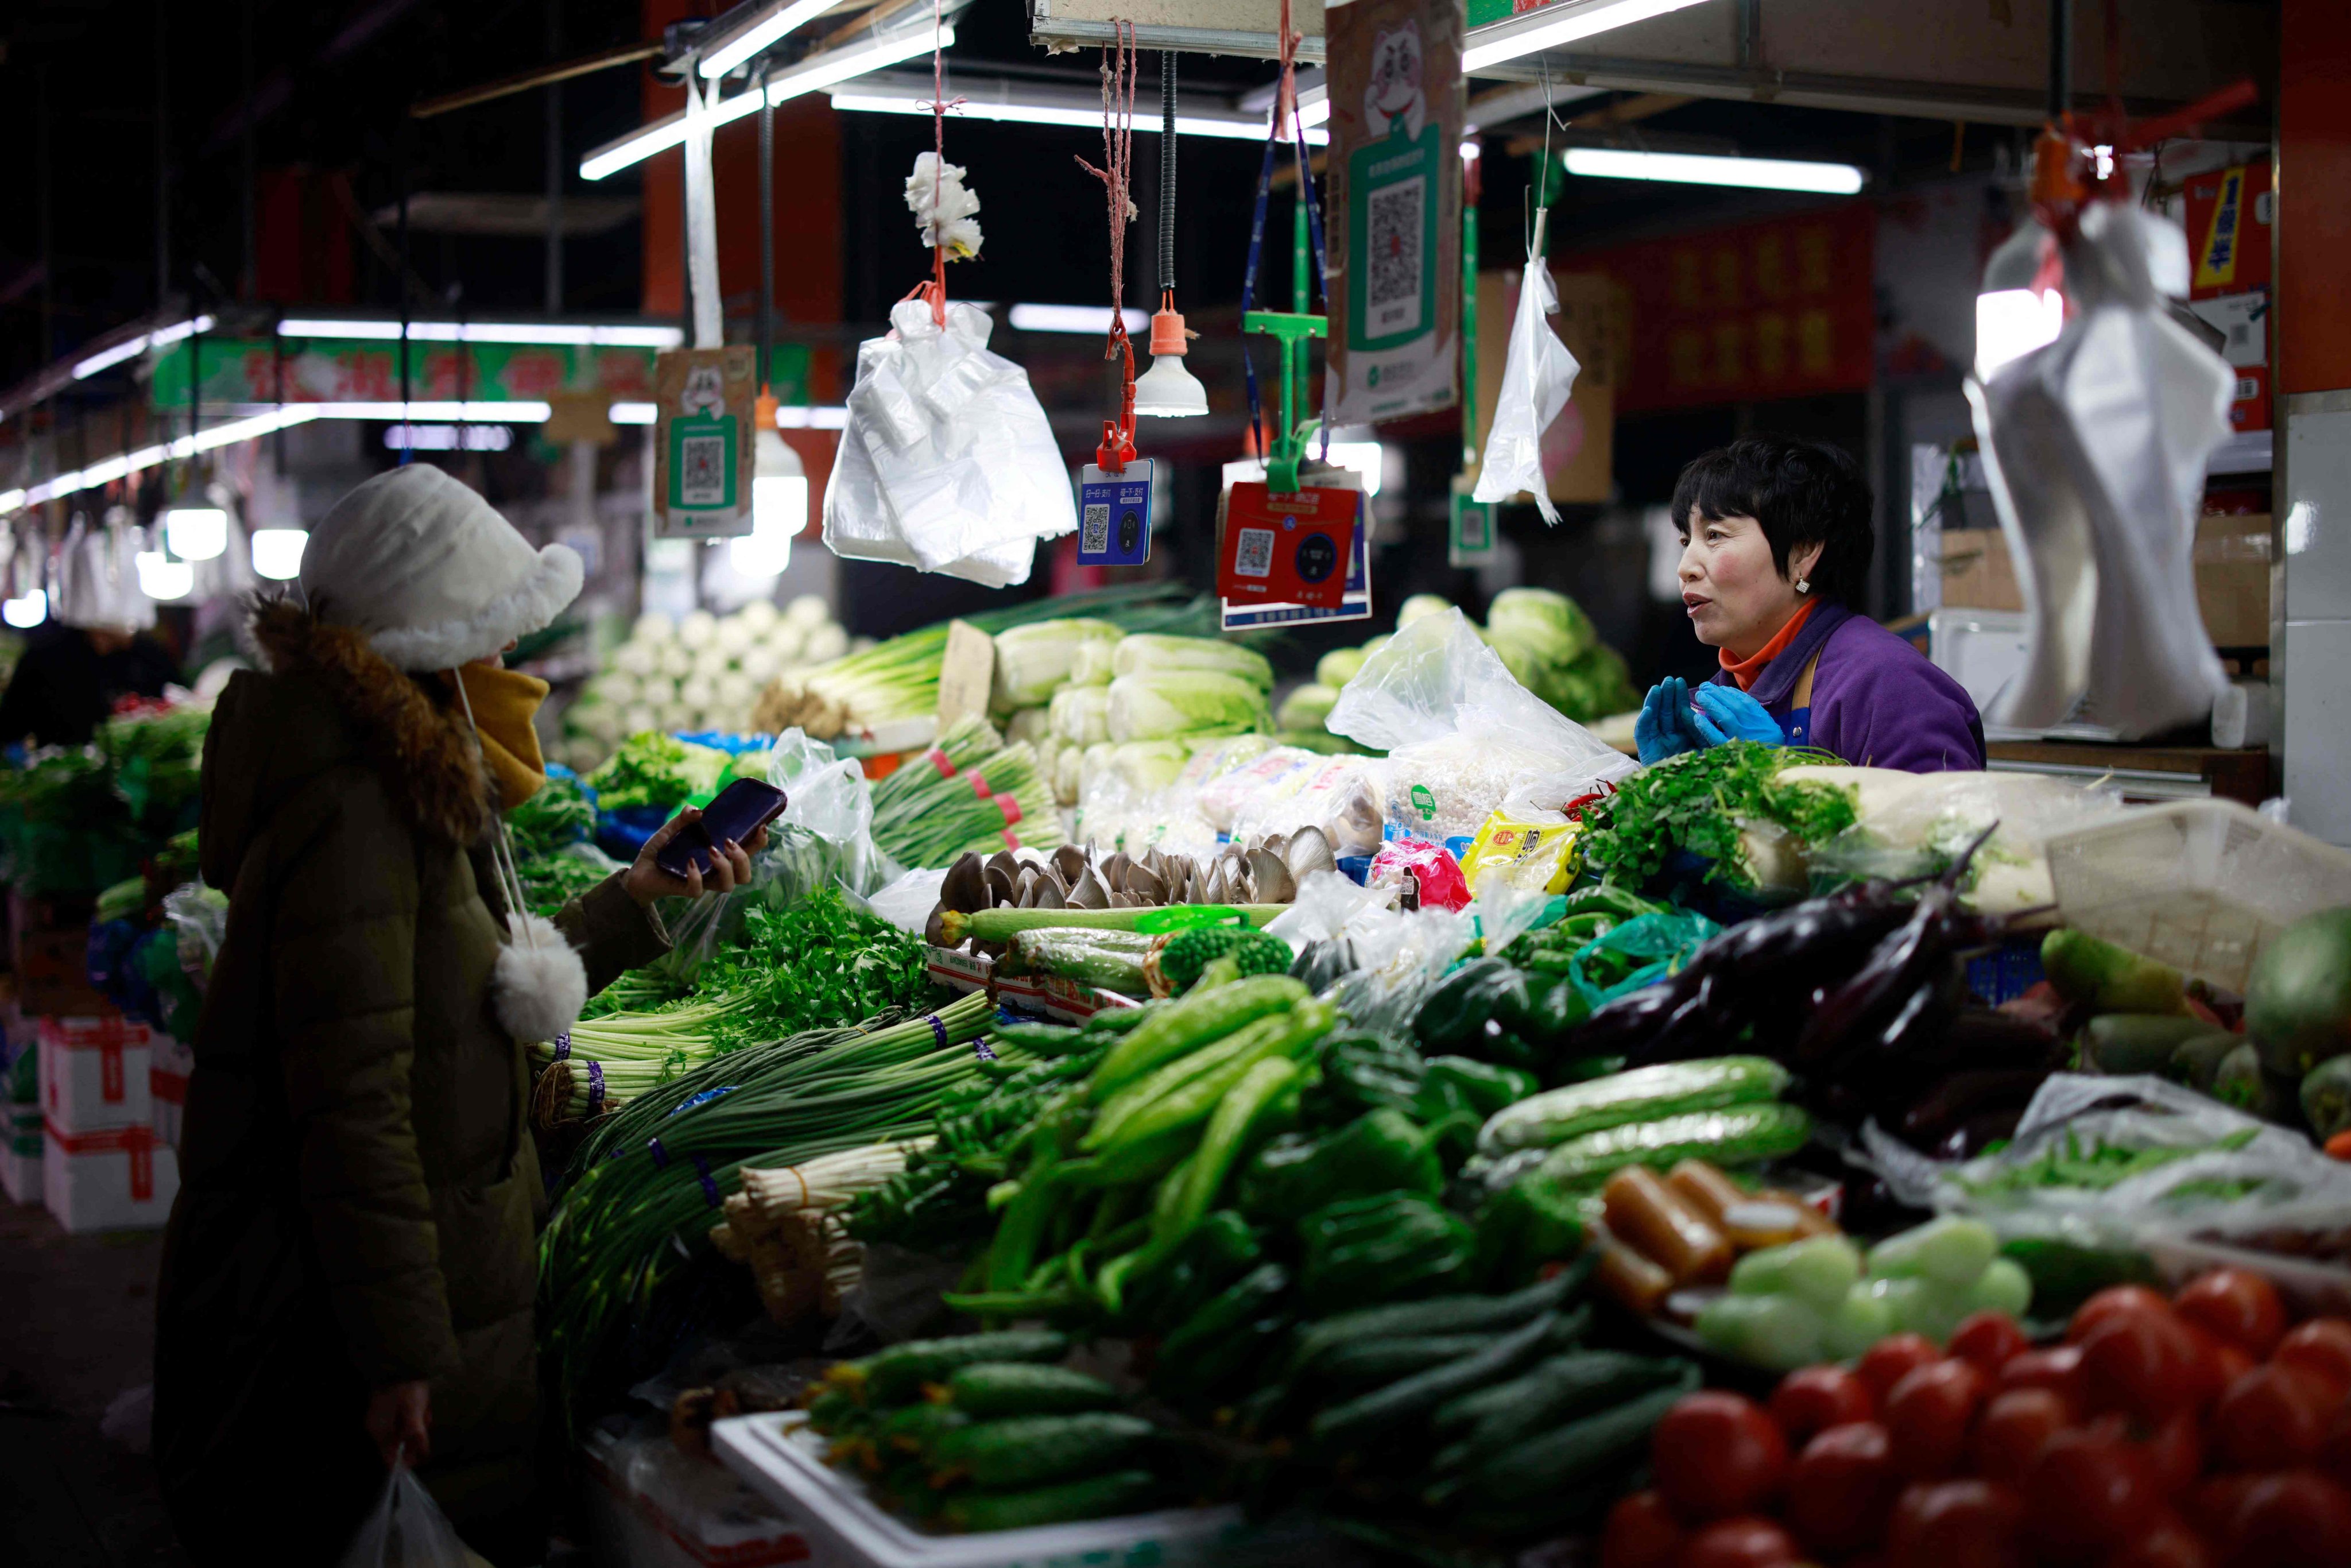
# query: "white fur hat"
430,572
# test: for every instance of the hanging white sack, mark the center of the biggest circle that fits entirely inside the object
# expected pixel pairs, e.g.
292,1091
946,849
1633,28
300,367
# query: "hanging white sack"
2095,448
1537,378
98,579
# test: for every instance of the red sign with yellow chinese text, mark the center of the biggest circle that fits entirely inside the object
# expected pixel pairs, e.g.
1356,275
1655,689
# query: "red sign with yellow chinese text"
1784,308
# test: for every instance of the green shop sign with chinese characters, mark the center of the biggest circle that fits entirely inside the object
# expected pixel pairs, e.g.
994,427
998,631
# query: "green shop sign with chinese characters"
336,370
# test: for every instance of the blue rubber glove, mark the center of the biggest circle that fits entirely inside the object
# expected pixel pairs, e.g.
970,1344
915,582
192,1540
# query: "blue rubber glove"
1664,728
1726,713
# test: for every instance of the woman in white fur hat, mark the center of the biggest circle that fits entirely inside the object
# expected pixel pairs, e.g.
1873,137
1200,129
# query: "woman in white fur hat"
351,1267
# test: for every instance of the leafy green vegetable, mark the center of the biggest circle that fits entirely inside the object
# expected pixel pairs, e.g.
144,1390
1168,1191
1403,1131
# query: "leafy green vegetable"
1184,702
809,965
556,815
1700,800
655,770
2099,1167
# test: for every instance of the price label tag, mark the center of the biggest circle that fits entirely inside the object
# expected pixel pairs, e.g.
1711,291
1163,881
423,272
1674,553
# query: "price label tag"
967,671
1256,612
1115,515
1288,548
1470,539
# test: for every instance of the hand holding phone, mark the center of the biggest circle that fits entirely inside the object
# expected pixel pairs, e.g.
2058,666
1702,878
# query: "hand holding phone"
696,845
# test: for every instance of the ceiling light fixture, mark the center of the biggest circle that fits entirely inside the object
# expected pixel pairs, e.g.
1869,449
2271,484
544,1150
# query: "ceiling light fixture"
161,577
26,610
198,532
998,101
1563,22
278,553
1167,390
784,20
1694,169
562,332
814,74
131,348
1089,318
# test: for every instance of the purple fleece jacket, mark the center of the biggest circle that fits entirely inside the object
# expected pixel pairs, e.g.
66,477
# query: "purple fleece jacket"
1877,701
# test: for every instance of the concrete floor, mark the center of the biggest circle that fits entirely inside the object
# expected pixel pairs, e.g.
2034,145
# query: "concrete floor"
77,1329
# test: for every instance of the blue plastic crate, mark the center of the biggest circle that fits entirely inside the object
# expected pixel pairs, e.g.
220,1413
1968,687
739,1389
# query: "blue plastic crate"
2008,971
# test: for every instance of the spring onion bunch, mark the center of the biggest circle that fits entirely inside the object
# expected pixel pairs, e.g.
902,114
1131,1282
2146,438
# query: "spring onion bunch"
644,1188
999,801
620,1056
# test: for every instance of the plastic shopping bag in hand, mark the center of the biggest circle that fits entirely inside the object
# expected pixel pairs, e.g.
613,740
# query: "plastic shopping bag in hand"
1536,381
947,464
408,1530
2095,447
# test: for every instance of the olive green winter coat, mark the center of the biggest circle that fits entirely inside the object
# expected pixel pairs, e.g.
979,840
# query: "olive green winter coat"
358,1190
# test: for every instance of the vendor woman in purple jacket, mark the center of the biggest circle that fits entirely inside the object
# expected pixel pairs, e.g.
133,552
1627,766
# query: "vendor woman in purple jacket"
1776,538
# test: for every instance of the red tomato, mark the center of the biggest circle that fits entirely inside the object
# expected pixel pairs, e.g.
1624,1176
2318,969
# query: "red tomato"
2235,1305
2170,1544
2088,1491
2059,1371
1927,1415
2213,1503
2299,1520
1641,1534
1718,1455
2012,1429
2323,1346
2146,1366
1956,1524
2229,1363
1812,1399
2273,1419
2115,1301
1841,1489
2334,1453
2176,1454
1990,1340
1890,1359
1748,1542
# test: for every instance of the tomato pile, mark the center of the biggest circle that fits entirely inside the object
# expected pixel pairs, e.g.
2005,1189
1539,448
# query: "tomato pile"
2194,1432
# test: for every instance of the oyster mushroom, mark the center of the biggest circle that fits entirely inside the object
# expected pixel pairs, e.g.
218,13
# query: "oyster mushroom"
1072,863
965,887
1024,891
1049,893
1146,886
934,930
1113,870
1309,851
1088,891
1272,878
1001,889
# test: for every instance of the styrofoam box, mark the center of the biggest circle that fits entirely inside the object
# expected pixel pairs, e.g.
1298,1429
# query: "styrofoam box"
94,1073
20,1153
784,1461
115,1178
653,1506
167,1082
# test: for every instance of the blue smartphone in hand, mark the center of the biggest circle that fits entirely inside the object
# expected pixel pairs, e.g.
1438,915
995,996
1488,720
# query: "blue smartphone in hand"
742,808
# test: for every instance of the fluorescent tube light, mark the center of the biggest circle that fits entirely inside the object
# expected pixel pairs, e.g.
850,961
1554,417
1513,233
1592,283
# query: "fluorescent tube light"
800,416
814,74
879,98
1543,29
447,437
1093,318
1692,169
11,499
106,470
520,411
131,348
746,45
635,412
573,333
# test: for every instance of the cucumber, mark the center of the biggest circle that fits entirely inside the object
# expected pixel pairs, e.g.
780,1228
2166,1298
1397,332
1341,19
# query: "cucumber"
1360,1420
2195,1060
2084,969
1643,1094
1114,1020
1187,1025
1003,925
913,1428
1096,1497
1044,1039
1564,1388
1737,1134
2124,1043
2242,1081
897,1375
1372,1361
2326,1097
996,1389
1031,1450
2298,998
1577,1453
1443,1315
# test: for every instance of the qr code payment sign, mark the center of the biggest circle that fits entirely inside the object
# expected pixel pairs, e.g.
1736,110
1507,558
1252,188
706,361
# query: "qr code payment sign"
1095,539
1255,557
1391,302
703,463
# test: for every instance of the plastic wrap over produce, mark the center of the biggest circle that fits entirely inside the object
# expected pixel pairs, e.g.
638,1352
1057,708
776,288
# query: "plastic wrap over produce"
1916,824
1289,788
948,463
1142,794
1462,736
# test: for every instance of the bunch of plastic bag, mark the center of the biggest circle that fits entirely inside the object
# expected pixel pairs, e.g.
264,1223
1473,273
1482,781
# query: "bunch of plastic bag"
97,579
408,1530
947,463
1537,380
1462,736
2095,447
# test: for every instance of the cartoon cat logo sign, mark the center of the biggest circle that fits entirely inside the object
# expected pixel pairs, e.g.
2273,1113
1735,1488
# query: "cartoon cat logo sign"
1394,86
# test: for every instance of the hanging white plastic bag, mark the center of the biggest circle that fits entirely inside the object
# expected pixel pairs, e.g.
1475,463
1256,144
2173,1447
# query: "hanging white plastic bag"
98,579
947,463
408,1530
1537,379
1461,735
2095,448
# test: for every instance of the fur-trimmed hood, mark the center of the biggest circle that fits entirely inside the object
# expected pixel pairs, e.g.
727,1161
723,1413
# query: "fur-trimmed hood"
329,699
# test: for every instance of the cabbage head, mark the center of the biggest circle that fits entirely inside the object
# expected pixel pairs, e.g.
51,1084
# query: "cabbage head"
1183,703
1149,654
1035,661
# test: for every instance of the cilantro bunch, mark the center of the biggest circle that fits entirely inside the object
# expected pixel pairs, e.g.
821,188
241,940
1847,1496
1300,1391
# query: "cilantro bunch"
1699,801
815,964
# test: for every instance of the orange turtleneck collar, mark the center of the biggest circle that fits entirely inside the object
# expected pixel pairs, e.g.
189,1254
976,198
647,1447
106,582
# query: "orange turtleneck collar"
1746,672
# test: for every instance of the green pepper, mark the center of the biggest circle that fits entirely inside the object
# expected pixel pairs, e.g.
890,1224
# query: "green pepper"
1360,1251
1526,1225
1380,1151
1364,1072
1457,1083
1224,1314
1550,1011
1455,1013
1285,1036
1220,1250
1026,1216
1224,1338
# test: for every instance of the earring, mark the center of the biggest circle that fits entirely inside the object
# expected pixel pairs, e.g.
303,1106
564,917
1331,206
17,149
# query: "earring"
1803,585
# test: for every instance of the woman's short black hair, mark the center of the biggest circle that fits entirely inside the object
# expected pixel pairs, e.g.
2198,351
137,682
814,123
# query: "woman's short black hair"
1802,492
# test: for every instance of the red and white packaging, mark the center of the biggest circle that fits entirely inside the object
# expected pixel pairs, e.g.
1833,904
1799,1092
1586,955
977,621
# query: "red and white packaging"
94,1073
167,1082
114,1179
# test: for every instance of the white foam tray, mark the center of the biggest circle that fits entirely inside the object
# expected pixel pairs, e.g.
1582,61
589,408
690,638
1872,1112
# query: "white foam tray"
780,1458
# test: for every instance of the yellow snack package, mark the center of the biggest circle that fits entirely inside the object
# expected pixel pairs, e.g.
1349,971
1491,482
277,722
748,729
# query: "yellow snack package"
1532,850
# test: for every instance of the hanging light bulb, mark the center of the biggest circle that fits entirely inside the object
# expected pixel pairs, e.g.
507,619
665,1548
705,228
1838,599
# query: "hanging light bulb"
25,611
1168,391
195,525
278,553
778,499
162,577
2013,317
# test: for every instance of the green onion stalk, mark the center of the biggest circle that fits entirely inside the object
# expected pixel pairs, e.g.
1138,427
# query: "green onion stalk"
968,740
621,1056
999,802
645,1187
